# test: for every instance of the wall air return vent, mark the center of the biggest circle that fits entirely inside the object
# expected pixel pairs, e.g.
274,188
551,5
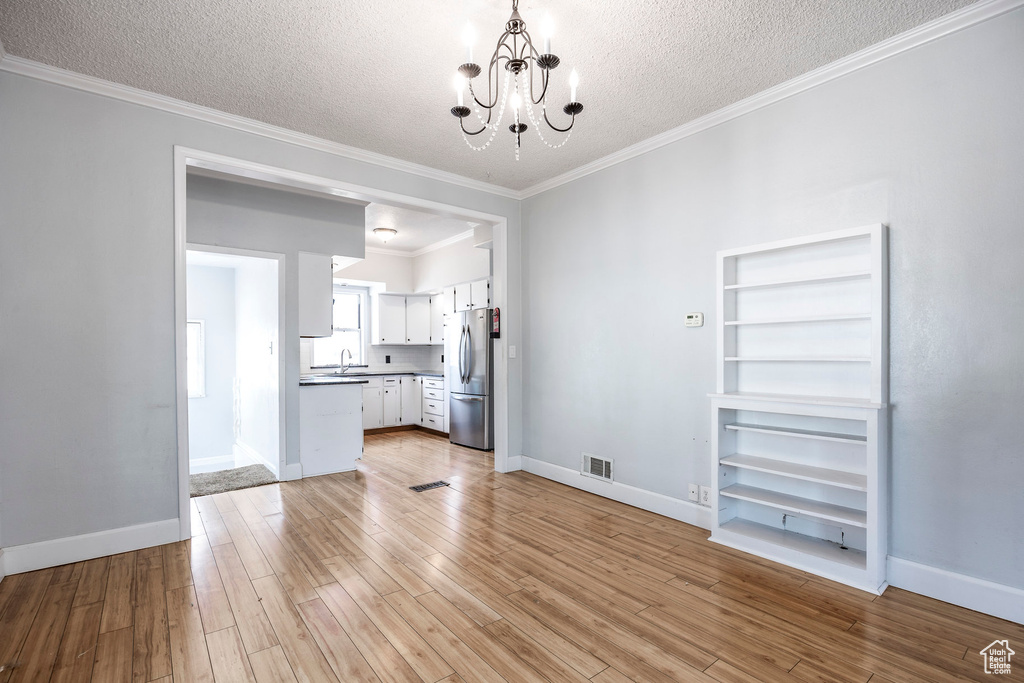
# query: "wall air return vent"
599,468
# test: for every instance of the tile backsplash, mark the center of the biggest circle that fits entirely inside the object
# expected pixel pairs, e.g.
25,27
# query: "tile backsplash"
403,358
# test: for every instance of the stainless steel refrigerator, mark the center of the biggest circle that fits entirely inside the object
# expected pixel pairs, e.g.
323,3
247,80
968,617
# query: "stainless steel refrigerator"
470,369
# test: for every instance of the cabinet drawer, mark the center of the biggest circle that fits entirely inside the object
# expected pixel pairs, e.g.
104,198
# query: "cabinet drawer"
436,394
391,381
373,383
433,407
430,383
435,422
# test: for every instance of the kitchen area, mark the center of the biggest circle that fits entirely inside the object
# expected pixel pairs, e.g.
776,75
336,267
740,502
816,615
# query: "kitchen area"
397,341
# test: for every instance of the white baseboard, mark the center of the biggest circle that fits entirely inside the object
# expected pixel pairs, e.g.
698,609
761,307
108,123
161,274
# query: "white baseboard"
32,556
220,462
682,510
292,471
247,453
513,464
3,571
979,595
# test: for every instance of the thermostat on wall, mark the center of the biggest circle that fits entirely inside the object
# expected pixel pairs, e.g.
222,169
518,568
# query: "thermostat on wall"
695,320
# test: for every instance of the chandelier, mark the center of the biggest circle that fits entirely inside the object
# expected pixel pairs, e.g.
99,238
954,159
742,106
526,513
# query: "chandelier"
527,74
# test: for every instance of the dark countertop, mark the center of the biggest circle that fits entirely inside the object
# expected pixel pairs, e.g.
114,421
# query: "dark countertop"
356,377
325,381
391,372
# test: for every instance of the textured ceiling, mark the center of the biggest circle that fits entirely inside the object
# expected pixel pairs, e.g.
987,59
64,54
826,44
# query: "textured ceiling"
416,229
377,74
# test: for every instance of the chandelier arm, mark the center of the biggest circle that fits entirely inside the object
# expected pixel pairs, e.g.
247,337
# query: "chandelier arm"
462,124
554,127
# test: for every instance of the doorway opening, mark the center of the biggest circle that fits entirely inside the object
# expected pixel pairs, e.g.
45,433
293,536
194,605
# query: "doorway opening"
233,364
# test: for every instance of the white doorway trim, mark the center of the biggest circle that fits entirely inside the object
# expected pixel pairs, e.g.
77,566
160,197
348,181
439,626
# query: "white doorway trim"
279,258
185,157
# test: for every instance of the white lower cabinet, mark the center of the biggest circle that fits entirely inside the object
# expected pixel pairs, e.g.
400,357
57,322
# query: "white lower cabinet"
330,439
412,396
392,408
373,407
434,409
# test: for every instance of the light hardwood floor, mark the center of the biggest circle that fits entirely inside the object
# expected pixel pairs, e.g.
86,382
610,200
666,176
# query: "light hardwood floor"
354,577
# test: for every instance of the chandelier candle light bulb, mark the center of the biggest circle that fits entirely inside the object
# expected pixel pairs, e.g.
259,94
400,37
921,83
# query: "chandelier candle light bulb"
468,38
516,55
459,83
547,28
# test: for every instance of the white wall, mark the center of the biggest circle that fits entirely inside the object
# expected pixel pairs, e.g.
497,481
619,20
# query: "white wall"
930,143
459,262
258,356
211,298
86,187
394,271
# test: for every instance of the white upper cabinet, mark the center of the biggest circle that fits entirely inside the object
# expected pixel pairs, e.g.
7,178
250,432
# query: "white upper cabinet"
480,294
438,308
316,295
448,300
389,321
417,320
463,297
470,295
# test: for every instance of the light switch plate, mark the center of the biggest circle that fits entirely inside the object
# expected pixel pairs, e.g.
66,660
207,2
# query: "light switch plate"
695,320
511,351
694,496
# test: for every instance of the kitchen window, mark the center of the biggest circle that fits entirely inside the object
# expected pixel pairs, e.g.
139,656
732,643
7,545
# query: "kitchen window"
350,306
195,358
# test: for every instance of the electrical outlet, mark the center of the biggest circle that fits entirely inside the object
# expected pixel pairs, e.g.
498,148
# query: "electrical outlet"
693,493
387,359
705,495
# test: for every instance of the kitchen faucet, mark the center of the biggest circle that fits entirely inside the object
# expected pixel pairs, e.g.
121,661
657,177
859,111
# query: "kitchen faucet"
343,366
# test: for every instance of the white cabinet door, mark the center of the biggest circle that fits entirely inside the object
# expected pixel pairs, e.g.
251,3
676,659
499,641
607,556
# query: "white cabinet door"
392,405
463,297
390,327
448,299
412,392
437,311
417,320
373,415
480,294
316,295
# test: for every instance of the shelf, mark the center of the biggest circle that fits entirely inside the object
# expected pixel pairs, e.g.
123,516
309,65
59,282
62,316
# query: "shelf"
809,319
800,433
791,540
797,505
792,470
843,402
797,359
814,279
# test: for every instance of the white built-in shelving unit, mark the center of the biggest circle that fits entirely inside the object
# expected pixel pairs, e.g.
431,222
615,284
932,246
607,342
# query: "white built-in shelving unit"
800,415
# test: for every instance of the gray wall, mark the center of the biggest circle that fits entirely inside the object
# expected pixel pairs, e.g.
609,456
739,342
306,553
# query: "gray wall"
228,214
929,142
87,384
211,298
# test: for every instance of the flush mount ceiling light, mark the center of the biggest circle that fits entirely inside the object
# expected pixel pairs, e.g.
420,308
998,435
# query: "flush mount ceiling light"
385,234
524,66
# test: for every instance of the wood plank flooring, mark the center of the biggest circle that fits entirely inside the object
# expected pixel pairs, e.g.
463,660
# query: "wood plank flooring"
353,577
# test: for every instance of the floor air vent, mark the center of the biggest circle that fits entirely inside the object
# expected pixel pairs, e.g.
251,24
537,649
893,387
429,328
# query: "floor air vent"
599,468
427,487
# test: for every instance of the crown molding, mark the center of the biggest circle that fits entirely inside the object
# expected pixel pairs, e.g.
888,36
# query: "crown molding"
925,33
124,93
933,30
425,250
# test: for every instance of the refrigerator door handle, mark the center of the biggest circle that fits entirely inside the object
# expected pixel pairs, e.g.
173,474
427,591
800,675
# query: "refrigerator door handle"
466,398
469,353
462,372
